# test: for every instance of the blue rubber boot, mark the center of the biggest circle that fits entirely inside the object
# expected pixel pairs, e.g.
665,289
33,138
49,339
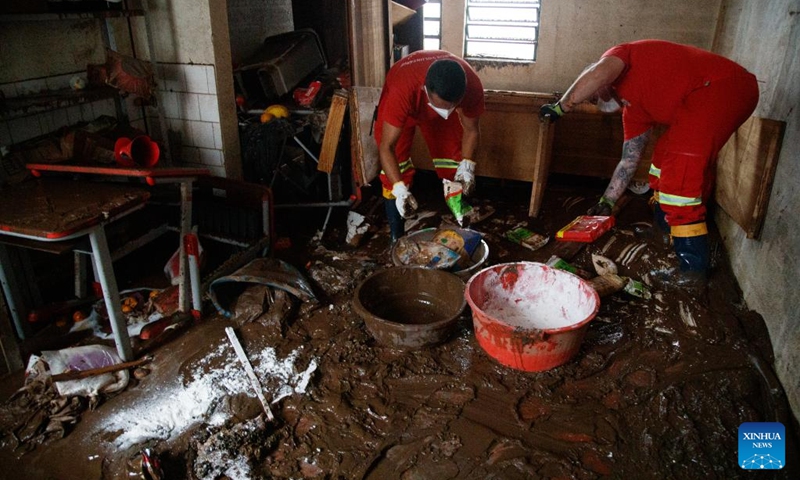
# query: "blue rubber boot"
397,225
690,243
693,259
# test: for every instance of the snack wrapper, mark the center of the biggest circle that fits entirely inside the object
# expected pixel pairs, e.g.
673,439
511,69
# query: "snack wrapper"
527,238
454,197
462,241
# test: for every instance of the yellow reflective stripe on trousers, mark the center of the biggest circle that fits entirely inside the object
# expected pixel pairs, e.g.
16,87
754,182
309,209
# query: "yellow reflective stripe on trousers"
678,201
404,167
692,230
655,171
444,163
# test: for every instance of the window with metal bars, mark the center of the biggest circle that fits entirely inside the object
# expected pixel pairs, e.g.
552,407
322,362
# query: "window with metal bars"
502,29
432,25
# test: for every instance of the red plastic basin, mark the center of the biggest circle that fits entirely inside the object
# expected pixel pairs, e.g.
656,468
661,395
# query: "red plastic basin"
529,316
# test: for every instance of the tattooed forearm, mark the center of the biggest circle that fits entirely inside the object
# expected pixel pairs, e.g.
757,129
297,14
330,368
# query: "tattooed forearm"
631,154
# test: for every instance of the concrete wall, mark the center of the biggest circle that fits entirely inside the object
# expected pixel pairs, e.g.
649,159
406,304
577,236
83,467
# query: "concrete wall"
251,21
574,33
768,269
194,81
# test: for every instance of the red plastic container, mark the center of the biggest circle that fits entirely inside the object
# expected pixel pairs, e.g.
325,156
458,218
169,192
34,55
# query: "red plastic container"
529,316
585,228
142,151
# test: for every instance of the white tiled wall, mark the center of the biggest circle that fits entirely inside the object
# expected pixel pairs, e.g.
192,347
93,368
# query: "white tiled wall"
189,100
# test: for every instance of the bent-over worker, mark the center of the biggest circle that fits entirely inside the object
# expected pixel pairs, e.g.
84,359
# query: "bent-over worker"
424,90
702,98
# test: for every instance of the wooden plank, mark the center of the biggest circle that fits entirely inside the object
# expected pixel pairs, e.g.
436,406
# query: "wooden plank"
363,149
542,167
333,130
746,171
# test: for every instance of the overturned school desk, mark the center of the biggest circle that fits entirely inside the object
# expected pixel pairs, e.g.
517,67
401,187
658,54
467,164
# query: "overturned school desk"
57,211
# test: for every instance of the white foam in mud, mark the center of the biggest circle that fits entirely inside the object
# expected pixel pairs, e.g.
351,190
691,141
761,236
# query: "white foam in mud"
542,298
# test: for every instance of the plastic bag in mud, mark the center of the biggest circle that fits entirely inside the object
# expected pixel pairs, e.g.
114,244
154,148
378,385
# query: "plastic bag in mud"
86,358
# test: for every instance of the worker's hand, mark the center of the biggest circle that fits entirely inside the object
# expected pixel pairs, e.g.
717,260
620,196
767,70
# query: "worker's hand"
602,208
550,112
406,203
465,175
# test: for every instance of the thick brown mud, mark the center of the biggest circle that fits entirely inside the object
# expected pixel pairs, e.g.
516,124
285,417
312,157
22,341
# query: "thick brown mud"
657,390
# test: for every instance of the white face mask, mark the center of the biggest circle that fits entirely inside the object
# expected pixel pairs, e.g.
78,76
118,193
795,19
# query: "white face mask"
610,106
443,112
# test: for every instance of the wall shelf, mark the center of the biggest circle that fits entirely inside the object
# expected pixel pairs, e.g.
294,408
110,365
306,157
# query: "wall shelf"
56,16
16,107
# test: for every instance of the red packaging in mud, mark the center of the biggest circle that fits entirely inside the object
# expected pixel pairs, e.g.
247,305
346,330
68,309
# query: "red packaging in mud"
585,228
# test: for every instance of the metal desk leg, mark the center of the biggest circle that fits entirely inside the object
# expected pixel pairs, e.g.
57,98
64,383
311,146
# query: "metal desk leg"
102,260
186,228
12,295
80,274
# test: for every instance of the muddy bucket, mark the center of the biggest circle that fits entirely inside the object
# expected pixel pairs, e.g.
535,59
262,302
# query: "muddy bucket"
530,316
410,307
477,261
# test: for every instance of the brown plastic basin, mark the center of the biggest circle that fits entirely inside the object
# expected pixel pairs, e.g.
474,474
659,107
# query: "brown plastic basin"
410,307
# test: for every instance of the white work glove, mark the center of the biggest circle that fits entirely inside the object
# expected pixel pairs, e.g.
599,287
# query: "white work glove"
406,203
465,175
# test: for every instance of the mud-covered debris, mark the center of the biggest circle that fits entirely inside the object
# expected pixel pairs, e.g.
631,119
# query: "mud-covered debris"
231,451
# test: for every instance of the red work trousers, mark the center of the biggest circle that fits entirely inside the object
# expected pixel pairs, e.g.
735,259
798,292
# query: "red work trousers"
685,156
443,138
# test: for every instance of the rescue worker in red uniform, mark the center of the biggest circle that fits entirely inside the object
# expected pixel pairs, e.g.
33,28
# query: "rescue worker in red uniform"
702,98
443,96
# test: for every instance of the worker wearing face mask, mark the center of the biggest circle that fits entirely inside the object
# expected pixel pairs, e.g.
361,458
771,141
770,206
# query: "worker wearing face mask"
702,98
443,96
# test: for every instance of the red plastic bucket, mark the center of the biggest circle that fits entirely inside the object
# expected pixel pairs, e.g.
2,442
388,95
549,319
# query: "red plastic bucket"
139,152
529,316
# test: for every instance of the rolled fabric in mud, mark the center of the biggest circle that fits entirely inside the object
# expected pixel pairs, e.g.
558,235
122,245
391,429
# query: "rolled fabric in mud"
607,284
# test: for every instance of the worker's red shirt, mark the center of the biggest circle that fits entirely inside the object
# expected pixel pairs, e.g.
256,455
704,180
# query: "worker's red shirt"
404,102
659,75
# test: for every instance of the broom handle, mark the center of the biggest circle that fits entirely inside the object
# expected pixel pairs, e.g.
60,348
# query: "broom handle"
78,374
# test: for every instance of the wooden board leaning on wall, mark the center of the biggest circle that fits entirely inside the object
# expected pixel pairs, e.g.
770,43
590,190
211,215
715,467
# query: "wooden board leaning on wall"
746,171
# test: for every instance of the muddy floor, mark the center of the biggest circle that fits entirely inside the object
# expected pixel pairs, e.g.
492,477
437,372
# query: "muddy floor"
658,389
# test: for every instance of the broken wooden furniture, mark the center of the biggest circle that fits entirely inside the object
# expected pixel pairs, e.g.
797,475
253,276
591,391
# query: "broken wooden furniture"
502,153
40,212
514,144
327,156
